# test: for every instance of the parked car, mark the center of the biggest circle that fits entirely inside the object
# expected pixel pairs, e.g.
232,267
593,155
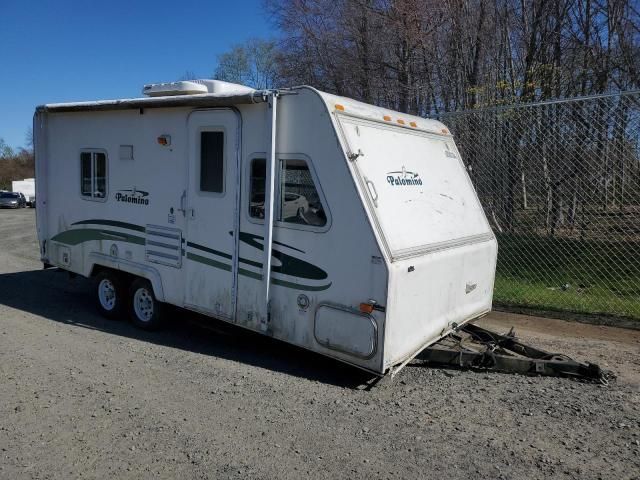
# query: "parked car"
12,200
293,207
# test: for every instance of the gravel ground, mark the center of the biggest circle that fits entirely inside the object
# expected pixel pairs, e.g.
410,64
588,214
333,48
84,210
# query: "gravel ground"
82,397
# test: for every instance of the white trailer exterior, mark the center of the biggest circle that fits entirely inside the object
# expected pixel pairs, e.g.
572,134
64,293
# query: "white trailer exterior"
366,218
27,187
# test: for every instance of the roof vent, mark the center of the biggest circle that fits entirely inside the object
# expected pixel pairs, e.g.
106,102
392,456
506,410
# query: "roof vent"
193,87
173,88
218,86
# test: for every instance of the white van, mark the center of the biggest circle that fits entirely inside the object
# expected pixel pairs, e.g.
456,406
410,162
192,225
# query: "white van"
366,219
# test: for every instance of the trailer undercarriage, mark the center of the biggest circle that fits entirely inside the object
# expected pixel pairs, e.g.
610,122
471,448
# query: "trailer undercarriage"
474,347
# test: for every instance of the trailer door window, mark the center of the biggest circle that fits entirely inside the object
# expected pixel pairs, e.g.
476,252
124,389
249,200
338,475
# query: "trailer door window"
297,200
93,174
212,162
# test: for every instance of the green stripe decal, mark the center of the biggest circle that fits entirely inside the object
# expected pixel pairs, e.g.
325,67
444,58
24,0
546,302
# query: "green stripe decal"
297,286
255,275
209,250
112,223
222,254
290,265
248,273
75,237
209,261
283,283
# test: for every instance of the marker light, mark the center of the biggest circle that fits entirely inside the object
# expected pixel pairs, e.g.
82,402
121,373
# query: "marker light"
339,107
164,140
413,124
445,131
387,118
400,121
366,307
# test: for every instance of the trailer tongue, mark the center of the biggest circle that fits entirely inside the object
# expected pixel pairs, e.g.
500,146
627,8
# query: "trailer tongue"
474,347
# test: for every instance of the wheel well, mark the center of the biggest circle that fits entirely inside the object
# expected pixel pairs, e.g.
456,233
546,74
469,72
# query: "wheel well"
99,262
97,269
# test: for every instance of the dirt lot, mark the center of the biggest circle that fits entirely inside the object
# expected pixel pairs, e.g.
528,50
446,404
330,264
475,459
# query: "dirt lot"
82,397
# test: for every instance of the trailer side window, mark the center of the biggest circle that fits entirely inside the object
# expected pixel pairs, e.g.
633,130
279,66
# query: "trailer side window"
93,174
257,187
298,200
212,162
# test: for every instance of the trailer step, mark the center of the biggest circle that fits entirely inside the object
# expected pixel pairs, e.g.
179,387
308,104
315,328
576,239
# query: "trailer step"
474,347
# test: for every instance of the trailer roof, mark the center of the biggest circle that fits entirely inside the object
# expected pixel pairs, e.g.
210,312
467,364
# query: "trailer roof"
355,108
335,103
199,100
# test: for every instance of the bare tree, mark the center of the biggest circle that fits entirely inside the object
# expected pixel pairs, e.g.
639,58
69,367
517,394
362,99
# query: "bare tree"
253,63
28,139
5,150
428,56
188,75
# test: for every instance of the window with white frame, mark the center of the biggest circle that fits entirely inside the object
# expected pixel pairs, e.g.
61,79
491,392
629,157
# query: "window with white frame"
93,174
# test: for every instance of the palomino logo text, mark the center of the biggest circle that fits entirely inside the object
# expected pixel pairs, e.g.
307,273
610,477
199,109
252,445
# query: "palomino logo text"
137,197
403,178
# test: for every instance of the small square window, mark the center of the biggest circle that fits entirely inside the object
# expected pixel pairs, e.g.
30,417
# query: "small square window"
126,152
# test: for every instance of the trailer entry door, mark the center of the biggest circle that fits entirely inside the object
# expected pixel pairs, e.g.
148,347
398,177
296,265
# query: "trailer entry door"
416,186
210,206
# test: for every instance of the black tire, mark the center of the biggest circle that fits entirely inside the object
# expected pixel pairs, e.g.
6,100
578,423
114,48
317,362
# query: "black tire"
144,310
111,294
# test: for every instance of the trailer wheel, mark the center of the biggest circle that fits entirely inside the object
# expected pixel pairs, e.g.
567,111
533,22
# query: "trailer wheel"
111,294
145,311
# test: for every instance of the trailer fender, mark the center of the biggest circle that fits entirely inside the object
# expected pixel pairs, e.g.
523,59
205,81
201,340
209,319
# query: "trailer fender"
138,269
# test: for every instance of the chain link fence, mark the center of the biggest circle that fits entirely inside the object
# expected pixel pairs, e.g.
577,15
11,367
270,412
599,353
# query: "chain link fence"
560,184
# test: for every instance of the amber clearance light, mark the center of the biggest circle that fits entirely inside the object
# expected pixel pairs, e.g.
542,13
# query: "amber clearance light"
366,307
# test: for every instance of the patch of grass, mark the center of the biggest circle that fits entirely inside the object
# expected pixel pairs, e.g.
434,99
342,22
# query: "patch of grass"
579,276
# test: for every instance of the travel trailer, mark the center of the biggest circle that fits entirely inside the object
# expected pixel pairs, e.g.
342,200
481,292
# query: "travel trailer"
341,227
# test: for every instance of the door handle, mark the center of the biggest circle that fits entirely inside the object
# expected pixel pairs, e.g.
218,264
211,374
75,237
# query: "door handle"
372,191
183,199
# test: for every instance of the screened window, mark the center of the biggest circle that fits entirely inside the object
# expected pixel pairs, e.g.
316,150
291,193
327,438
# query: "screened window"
93,174
212,162
297,198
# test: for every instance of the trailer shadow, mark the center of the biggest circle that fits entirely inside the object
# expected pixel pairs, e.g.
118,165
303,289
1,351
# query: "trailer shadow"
52,295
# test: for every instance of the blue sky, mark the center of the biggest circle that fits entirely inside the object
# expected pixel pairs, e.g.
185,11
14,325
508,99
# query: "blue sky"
65,50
